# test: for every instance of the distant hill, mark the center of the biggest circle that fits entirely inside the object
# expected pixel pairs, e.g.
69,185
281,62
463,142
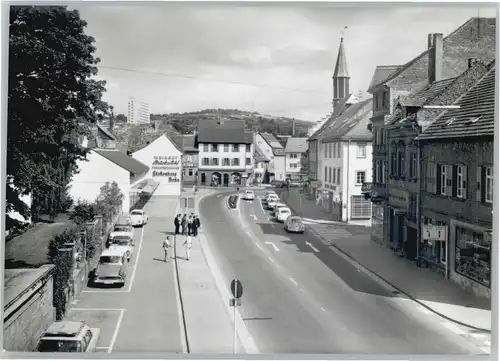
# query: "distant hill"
134,137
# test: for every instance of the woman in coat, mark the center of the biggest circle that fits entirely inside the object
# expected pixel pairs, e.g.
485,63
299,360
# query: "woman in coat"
177,223
184,224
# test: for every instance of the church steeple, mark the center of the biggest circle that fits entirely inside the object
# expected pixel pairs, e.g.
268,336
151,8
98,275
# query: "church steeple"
340,76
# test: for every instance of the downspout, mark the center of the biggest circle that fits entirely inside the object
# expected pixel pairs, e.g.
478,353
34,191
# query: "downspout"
347,188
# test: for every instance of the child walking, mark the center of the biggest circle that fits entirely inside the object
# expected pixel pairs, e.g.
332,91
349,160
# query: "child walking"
188,243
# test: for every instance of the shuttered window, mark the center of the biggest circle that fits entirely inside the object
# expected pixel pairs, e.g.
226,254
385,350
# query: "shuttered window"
338,176
460,183
442,179
430,178
334,176
489,185
360,207
329,175
326,173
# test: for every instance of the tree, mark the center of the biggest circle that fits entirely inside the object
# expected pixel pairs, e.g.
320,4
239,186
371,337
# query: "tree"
121,118
50,90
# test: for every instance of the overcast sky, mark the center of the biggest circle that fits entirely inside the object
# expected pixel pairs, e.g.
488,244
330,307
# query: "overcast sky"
261,54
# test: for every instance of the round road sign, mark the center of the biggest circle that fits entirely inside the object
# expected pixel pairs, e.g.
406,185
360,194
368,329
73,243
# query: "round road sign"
236,288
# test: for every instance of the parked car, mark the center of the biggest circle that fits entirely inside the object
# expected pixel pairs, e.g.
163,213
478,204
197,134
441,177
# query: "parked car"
272,201
294,224
111,268
249,195
124,243
276,207
123,228
283,213
278,184
69,336
271,197
138,218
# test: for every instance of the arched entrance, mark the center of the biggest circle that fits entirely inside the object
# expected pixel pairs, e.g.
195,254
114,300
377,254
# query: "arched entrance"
216,179
203,178
236,178
226,180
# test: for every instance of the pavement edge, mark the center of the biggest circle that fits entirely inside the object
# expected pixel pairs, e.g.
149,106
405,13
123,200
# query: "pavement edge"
382,281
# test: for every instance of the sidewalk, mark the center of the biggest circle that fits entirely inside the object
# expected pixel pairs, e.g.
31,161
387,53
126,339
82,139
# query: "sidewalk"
208,323
420,284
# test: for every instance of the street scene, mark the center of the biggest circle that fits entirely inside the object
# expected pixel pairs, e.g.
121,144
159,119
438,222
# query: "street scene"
197,200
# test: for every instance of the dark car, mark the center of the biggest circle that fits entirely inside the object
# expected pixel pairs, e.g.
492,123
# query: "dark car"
278,184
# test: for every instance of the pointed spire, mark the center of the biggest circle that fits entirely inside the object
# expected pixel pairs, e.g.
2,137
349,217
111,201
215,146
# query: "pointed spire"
341,66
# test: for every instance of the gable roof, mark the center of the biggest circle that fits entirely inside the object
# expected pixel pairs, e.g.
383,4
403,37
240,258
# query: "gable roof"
476,38
271,140
222,131
353,123
426,94
296,145
123,160
382,72
189,143
476,116
259,156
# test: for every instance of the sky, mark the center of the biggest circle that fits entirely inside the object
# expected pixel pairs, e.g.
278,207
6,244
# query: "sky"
275,58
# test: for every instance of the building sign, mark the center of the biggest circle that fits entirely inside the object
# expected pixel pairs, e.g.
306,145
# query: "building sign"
434,233
165,162
166,166
366,187
399,199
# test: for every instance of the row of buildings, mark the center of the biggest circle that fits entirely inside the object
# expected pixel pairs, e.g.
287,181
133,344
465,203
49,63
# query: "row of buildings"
416,159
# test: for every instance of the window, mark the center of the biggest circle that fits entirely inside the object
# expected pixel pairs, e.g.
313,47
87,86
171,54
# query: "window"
236,161
443,179
338,176
361,208
394,163
401,163
225,162
329,175
384,166
360,177
215,147
326,150
205,161
334,176
442,251
190,172
215,161
326,174
413,165
460,181
330,146
473,254
361,152
205,148
248,161
375,100
377,171
248,148
488,197
334,150
339,151
236,148
226,148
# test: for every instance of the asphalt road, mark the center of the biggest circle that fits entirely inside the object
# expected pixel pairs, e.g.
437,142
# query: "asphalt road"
143,315
301,298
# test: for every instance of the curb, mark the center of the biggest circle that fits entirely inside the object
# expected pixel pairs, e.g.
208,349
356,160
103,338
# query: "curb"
348,255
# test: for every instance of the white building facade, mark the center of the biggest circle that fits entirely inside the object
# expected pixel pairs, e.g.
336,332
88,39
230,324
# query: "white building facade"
275,152
138,112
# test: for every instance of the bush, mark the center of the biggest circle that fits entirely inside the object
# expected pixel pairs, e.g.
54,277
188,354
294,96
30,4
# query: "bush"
83,212
109,201
63,262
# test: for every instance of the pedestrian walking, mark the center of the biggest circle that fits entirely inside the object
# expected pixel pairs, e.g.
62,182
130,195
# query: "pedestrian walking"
188,243
177,223
184,224
165,246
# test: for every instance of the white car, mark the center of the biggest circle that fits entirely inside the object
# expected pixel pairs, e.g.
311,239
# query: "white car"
69,336
123,228
278,206
249,195
270,195
138,218
111,269
283,213
122,242
272,198
294,224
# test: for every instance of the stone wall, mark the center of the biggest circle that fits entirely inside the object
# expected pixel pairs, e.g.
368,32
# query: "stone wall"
29,313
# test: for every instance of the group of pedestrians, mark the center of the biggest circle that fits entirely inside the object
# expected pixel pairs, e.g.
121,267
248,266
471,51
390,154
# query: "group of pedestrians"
187,226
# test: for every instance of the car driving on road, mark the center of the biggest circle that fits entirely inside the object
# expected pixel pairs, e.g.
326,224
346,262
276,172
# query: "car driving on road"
69,336
276,207
111,268
249,195
294,224
138,218
283,213
271,202
123,228
124,243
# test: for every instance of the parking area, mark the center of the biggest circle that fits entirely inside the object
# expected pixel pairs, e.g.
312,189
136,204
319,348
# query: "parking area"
108,320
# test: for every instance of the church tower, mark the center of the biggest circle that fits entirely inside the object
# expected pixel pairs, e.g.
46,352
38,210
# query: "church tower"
340,76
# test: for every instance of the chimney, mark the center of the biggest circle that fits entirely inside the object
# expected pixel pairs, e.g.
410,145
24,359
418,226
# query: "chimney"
429,40
435,66
471,62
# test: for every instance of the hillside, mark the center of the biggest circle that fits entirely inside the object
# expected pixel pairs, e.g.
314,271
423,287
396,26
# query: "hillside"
134,137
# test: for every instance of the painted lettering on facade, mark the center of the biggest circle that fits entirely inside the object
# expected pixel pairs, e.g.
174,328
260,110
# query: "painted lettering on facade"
166,167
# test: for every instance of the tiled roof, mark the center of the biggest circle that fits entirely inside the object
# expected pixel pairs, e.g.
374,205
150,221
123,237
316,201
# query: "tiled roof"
341,65
428,93
341,107
296,145
353,123
248,137
123,160
271,140
258,156
278,152
382,72
474,39
105,132
222,131
476,116
189,143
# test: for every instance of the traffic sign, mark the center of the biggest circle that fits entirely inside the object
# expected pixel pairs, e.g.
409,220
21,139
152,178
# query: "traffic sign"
236,288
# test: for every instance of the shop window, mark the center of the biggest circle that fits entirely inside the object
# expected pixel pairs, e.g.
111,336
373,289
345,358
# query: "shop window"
473,255
361,208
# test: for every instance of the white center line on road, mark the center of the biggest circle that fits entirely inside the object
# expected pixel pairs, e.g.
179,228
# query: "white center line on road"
134,270
293,281
271,259
450,326
322,309
115,333
253,216
258,246
274,246
312,247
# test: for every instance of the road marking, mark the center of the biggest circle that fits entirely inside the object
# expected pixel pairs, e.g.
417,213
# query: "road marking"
102,347
271,259
75,302
423,310
486,350
478,335
274,246
322,309
453,328
219,195
312,247
115,333
179,307
258,246
293,281
134,270
253,216
97,309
